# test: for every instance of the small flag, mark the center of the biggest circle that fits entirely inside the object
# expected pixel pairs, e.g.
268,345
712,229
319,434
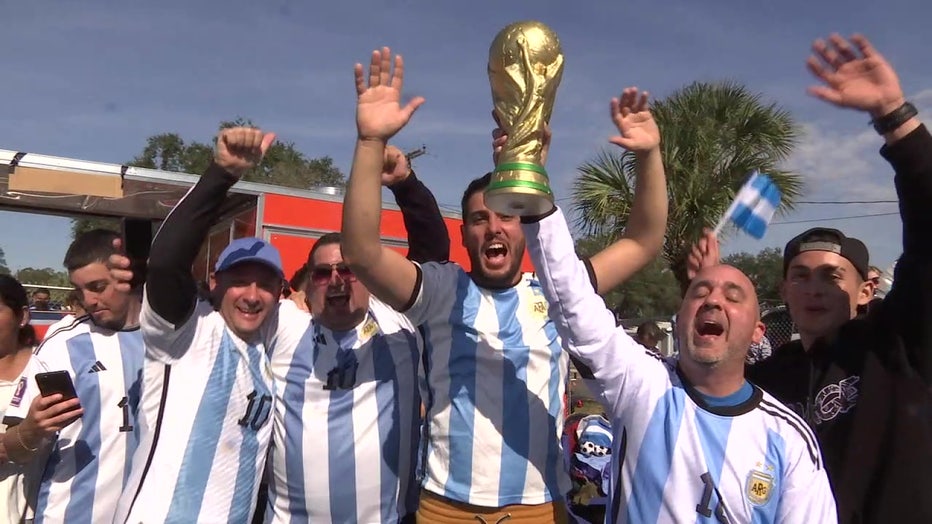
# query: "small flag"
753,207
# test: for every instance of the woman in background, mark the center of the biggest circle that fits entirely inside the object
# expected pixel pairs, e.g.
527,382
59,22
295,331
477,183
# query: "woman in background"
18,484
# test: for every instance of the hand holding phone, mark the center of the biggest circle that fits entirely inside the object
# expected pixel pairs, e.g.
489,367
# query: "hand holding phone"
53,382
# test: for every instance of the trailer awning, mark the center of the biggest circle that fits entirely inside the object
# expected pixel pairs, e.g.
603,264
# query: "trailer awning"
45,184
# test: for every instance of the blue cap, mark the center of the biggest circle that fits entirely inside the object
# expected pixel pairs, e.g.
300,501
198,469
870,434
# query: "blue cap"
250,250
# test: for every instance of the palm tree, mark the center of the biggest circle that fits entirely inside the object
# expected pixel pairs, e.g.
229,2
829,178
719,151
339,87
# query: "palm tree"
713,137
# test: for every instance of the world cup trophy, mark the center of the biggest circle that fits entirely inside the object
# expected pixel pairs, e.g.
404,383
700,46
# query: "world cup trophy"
525,69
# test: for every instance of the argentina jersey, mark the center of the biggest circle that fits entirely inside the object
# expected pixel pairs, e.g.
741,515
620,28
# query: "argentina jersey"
496,375
90,458
205,423
346,426
688,460
679,456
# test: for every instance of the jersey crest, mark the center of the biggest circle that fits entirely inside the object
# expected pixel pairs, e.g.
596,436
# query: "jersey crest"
759,487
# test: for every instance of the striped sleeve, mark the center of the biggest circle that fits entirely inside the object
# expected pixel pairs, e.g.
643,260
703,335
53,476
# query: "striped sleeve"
585,324
165,342
434,295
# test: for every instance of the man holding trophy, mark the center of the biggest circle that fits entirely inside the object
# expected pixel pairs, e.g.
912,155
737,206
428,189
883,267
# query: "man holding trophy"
494,363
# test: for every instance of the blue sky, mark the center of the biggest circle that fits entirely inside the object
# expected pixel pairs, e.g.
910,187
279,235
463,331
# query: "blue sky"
93,79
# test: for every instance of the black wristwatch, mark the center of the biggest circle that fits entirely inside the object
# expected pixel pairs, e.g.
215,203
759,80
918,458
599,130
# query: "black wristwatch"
894,119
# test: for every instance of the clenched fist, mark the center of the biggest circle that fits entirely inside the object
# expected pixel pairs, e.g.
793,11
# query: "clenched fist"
395,167
240,149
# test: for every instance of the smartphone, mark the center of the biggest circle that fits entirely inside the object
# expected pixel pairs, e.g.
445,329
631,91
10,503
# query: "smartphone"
54,382
137,241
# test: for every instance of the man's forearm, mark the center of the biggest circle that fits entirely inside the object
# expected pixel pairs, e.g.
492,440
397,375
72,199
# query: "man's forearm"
645,229
170,288
362,206
428,238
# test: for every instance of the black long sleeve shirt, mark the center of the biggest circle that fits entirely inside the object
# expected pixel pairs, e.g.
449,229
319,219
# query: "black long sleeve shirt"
867,394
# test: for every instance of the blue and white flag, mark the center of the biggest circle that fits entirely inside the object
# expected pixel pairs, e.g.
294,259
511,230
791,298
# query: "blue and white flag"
754,206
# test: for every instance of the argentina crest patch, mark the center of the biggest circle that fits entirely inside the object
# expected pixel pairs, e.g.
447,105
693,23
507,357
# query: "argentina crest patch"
759,488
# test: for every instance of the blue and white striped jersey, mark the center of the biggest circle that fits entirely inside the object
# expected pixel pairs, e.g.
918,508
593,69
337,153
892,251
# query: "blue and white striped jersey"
90,458
346,425
204,423
495,378
684,459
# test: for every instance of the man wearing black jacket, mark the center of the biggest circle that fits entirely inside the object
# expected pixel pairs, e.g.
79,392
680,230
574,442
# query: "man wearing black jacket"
863,382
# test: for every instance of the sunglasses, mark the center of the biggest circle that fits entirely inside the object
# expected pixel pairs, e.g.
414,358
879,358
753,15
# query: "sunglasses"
321,275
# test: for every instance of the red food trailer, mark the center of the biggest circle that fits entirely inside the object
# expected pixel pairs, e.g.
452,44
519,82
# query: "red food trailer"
291,219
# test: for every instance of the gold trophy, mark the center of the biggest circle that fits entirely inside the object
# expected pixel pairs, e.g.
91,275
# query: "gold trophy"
525,68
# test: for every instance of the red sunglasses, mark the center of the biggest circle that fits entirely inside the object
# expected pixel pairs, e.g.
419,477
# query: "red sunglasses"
320,275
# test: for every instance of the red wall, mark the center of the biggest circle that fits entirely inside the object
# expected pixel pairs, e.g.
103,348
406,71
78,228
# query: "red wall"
324,215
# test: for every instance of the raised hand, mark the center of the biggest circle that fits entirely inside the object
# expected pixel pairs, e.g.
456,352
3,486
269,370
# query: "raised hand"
240,149
703,254
395,167
861,79
379,114
120,268
631,115
499,139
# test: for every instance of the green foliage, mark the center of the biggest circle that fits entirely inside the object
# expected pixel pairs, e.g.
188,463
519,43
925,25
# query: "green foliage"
4,270
713,137
765,269
43,277
650,293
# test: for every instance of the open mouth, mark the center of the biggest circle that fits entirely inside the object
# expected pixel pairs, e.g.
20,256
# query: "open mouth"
496,252
249,312
340,300
710,328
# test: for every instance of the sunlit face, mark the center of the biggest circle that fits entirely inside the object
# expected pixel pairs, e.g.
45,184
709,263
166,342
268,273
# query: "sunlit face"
494,242
719,318
107,307
247,293
11,320
822,291
337,299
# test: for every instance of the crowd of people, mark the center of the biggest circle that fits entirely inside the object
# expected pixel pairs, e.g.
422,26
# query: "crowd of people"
376,387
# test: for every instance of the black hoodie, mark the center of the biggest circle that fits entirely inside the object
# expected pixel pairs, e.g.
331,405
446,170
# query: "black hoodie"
867,394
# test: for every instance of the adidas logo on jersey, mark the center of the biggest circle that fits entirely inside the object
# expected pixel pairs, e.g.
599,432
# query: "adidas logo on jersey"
97,367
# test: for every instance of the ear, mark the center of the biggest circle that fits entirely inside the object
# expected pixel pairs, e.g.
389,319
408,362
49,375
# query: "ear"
865,292
463,233
759,329
25,317
212,281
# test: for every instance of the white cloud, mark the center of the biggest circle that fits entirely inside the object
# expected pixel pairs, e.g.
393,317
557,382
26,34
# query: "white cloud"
845,165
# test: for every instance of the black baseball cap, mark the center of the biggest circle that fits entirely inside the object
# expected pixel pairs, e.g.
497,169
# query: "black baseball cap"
832,240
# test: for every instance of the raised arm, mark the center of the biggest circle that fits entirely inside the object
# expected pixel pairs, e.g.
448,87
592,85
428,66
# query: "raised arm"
428,237
647,222
854,75
170,288
379,115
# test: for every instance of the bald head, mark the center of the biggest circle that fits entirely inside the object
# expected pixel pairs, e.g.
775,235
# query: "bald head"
719,318
731,278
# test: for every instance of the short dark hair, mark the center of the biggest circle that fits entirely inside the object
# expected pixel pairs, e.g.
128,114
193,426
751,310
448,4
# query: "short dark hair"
326,240
13,294
649,330
38,290
89,247
474,187
299,279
